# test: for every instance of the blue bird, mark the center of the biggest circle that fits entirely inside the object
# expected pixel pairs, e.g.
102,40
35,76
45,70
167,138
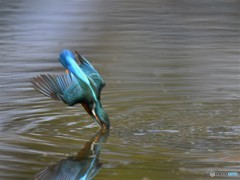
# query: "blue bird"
82,84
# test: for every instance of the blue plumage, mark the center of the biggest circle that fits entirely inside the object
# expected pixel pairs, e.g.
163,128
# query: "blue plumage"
82,85
91,72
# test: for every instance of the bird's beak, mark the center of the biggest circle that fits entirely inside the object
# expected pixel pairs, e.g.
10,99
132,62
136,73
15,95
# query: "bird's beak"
96,117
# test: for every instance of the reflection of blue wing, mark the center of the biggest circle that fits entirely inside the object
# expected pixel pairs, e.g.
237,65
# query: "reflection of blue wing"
91,72
71,169
84,166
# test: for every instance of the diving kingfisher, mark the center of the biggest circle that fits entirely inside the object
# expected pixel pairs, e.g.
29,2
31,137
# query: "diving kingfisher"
81,84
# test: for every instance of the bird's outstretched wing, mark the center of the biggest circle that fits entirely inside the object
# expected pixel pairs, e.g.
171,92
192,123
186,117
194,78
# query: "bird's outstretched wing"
61,87
91,72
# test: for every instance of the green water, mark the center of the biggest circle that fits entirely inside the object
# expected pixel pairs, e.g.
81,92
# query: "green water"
172,71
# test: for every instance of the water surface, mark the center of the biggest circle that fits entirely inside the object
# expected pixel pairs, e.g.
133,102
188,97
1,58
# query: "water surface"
172,93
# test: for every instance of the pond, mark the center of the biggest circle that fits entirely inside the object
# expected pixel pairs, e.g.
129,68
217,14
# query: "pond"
172,91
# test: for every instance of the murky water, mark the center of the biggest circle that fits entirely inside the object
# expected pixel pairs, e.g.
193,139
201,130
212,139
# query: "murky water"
172,94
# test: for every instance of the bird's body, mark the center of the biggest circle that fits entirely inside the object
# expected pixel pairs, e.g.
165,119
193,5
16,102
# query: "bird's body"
82,85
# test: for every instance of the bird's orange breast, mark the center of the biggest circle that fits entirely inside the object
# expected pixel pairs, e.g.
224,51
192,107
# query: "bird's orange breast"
87,108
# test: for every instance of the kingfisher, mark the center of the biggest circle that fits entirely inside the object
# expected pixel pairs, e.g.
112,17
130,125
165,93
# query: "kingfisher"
81,84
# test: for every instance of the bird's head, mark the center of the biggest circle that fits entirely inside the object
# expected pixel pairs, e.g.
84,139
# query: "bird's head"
66,57
101,116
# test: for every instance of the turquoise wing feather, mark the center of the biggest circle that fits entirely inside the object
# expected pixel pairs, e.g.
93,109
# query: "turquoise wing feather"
91,72
62,87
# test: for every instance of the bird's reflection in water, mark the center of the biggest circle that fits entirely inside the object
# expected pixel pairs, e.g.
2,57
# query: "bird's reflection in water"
85,165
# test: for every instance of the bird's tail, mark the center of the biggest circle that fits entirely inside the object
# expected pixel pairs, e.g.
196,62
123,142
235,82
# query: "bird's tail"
52,86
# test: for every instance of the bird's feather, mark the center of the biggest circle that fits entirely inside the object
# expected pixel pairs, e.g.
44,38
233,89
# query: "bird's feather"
91,72
61,87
